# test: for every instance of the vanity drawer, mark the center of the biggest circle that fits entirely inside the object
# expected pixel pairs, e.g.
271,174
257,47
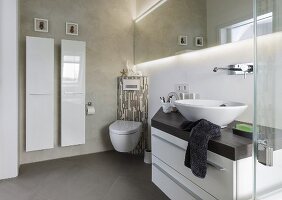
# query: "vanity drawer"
221,172
174,185
170,188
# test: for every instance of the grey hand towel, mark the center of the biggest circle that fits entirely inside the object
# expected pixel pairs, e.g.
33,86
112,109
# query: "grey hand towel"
196,154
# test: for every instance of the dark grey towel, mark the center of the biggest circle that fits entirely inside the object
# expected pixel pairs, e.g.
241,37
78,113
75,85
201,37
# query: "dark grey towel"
196,154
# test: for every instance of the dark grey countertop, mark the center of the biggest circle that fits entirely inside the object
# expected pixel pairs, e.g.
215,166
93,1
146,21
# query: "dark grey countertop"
231,146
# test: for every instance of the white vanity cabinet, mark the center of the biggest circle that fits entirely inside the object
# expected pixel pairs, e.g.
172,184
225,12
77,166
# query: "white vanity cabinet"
177,181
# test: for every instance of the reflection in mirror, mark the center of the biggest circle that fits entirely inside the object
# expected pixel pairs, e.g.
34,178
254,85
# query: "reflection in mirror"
203,23
73,66
245,29
158,34
71,69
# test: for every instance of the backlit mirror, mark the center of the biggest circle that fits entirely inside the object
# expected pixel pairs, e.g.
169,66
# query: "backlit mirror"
168,27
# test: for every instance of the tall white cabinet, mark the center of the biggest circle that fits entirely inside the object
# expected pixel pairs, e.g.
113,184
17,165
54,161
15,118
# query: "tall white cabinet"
9,159
39,93
72,92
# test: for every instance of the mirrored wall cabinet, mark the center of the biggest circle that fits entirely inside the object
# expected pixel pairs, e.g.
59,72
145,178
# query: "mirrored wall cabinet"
72,92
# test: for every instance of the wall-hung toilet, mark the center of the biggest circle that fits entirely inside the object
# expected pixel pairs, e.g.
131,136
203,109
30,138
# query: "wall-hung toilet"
125,135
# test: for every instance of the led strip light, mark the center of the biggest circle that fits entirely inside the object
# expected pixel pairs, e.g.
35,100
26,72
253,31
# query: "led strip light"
151,9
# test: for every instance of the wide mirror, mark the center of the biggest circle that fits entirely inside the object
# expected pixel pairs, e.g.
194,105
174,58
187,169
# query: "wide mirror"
168,27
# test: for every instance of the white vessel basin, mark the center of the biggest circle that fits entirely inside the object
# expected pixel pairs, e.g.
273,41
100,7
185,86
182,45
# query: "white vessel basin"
218,112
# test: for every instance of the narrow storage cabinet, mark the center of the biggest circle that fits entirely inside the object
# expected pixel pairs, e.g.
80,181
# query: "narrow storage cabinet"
39,93
73,55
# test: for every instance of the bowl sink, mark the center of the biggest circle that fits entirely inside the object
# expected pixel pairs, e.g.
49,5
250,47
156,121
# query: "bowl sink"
218,112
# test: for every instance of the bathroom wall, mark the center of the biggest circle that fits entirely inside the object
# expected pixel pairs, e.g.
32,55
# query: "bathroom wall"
196,69
107,28
8,89
156,35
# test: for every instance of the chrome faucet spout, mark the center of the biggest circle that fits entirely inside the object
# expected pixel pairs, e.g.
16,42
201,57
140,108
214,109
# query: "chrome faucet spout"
220,68
238,69
176,96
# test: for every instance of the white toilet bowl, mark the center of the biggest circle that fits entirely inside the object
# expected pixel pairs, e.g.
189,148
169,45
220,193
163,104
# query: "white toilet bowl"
125,135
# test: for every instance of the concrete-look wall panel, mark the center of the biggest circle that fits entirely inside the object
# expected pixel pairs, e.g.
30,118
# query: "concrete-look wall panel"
107,28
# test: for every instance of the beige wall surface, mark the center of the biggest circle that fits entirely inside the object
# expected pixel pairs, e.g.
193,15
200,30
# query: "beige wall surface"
107,28
156,35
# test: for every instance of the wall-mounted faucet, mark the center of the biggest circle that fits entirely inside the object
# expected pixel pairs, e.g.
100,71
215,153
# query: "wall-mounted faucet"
238,69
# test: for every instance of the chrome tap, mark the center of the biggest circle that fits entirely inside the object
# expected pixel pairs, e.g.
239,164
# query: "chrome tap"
225,68
238,69
176,96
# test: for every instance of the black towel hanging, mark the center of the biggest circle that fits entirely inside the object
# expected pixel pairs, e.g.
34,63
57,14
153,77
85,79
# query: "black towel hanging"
201,132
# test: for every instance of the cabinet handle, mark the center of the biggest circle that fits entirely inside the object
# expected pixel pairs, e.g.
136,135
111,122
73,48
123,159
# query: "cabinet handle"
177,182
216,166
211,164
169,142
73,93
39,94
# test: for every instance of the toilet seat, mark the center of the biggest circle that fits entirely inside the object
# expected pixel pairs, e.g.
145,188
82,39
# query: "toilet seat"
122,127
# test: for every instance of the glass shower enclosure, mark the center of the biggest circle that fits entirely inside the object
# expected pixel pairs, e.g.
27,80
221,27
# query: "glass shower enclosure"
267,151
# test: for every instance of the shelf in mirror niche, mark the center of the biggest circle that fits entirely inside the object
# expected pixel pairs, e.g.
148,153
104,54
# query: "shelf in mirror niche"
184,51
201,24
73,55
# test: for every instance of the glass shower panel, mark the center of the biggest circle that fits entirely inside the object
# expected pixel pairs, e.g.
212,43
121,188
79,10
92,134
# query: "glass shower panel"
268,104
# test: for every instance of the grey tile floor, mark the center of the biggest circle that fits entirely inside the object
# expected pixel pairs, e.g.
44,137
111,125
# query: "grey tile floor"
101,176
